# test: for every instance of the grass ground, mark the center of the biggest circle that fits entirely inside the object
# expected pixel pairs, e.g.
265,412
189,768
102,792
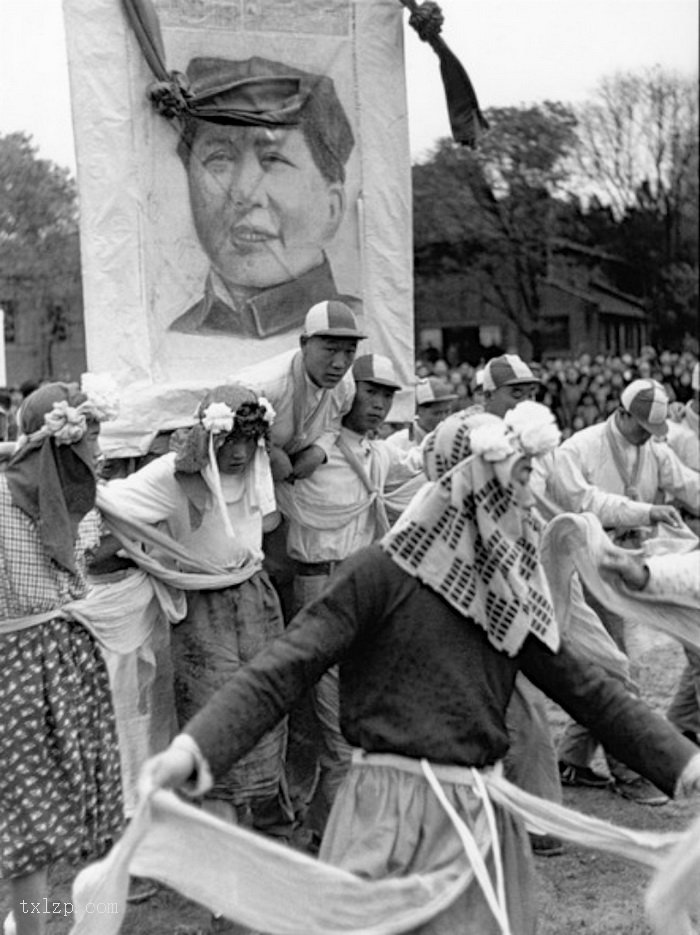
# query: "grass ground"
581,892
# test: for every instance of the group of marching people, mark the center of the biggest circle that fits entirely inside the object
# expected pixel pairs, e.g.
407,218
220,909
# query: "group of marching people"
305,626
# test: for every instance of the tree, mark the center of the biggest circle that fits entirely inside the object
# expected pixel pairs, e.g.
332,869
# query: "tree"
495,209
39,248
638,151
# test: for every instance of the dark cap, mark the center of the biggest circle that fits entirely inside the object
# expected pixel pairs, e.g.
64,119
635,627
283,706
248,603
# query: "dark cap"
261,92
431,390
375,368
507,370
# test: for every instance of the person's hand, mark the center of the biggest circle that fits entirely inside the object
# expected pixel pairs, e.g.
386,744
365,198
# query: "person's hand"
666,514
280,465
168,770
628,565
306,462
689,780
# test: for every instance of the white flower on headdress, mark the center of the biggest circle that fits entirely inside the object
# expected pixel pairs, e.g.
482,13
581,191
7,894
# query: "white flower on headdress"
534,426
217,418
492,441
269,413
102,401
65,423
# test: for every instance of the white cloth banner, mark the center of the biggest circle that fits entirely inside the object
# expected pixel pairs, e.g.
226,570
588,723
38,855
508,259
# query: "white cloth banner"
182,284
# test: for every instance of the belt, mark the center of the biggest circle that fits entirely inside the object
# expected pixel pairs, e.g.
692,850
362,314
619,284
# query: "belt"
311,569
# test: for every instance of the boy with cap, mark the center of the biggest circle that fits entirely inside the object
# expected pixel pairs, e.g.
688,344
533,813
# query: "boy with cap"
614,470
331,514
265,147
507,381
434,400
310,389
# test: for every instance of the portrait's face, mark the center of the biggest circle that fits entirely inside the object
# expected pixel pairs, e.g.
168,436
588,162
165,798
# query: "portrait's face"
261,208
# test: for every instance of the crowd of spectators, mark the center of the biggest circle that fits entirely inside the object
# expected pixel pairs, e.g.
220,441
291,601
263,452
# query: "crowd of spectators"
579,390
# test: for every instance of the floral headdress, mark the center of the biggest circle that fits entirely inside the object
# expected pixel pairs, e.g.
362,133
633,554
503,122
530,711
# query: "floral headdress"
67,422
528,429
51,475
231,410
227,410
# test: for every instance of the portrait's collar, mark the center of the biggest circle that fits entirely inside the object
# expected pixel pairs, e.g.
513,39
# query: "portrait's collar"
274,310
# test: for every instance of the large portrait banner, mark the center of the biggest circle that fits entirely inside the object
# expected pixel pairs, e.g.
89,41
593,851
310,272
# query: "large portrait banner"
209,230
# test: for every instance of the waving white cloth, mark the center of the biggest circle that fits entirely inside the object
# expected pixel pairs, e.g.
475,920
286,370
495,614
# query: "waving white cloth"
269,887
576,542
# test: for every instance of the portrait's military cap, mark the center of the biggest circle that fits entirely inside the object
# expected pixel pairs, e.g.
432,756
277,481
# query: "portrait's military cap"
261,92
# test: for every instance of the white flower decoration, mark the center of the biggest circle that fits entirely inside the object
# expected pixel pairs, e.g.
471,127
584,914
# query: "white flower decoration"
492,441
217,418
269,413
102,396
65,423
534,426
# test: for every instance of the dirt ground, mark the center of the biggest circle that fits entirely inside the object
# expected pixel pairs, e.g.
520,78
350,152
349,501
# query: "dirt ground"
581,892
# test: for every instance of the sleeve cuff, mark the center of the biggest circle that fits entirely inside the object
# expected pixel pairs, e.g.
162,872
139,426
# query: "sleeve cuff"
201,779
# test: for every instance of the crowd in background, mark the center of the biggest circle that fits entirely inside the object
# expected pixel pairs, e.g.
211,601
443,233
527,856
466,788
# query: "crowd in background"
579,390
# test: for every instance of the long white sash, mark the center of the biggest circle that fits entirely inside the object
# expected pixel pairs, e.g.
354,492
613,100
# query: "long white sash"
271,888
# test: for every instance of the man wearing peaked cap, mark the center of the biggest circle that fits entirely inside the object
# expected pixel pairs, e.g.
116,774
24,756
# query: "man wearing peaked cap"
434,399
646,401
507,380
619,471
614,470
310,388
265,157
337,510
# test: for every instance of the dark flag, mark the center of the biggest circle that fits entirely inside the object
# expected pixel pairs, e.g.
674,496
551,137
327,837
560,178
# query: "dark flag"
466,120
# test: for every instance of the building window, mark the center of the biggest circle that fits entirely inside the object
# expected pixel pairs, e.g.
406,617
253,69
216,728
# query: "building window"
9,320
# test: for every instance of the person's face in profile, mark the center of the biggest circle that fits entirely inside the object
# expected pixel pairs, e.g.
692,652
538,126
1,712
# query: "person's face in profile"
261,208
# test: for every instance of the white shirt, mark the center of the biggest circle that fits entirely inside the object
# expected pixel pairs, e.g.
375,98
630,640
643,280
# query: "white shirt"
684,438
153,495
584,477
284,382
332,514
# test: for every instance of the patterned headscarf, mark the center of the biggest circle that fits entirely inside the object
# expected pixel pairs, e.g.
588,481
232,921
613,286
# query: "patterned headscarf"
51,476
469,535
